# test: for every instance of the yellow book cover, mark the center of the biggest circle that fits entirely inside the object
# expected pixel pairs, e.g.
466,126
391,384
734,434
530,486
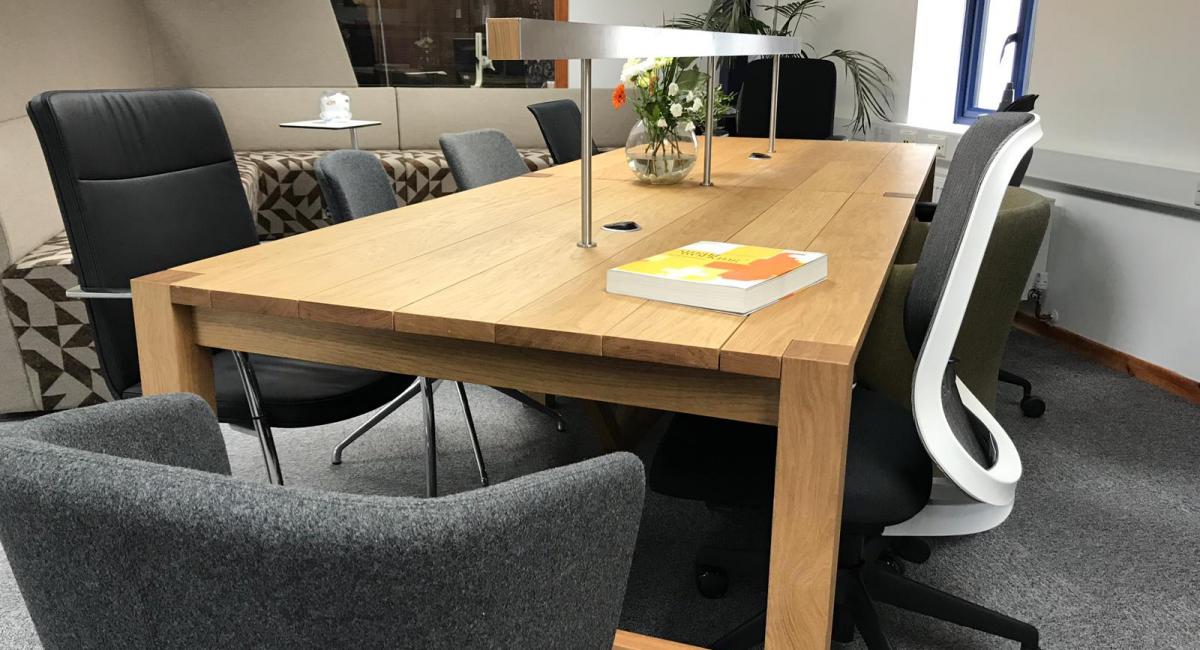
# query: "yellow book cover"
719,275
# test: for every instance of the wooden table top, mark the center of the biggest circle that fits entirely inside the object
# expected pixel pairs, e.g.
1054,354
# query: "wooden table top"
499,263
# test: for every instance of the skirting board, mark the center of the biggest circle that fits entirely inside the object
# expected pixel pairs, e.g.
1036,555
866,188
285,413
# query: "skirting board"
1168,380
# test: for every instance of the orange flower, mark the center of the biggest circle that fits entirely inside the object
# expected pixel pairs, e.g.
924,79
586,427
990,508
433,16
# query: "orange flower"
618,96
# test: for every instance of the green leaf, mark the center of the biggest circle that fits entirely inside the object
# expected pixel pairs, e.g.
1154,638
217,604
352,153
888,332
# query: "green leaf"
691,80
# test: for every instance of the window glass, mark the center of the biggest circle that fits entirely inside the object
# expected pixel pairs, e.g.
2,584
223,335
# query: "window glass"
435,42
996,42
996,56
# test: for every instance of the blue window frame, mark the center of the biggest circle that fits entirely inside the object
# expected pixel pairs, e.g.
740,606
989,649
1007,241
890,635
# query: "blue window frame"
990,28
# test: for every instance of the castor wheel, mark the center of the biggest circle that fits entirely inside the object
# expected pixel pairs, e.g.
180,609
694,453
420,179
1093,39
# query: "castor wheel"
891,564
911,549
1033,406
711,581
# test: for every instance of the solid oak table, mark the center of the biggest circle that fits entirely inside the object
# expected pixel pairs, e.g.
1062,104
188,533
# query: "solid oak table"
487,286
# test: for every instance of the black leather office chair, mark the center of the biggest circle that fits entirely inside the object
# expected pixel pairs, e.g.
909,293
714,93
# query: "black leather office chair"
562,126
807,96
146,180
1031,405
891,451
354,186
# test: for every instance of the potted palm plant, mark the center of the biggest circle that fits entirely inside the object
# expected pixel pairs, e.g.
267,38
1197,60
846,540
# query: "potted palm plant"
869,76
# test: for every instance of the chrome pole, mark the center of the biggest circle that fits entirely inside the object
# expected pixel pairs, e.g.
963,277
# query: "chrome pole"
709,123
585,159
257,417
774,101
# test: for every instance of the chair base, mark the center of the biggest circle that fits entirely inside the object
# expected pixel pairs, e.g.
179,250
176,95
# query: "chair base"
1032,406
863,580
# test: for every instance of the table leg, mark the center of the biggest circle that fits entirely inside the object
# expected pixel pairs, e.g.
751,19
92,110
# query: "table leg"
353,138
814,419
170,359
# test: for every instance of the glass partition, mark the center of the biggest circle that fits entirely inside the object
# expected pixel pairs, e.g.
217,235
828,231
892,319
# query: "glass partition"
439,42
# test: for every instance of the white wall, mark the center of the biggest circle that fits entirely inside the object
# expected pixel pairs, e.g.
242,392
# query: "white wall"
1114,83
1118,79
1126,277
885,30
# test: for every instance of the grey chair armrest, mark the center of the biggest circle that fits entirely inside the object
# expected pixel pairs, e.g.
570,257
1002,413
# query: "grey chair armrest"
148,556
178,430
80,293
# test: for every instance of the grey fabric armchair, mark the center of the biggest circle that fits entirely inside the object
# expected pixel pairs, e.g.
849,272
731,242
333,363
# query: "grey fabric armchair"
124,530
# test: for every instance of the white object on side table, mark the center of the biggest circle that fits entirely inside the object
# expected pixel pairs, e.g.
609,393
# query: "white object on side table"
342,125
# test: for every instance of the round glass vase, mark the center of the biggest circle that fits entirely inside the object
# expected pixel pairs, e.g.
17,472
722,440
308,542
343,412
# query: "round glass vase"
661,156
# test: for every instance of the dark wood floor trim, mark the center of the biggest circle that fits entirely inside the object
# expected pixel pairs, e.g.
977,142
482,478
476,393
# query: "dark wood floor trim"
1150,373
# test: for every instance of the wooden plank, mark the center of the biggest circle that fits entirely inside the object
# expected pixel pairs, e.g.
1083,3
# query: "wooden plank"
276,283
504,38
810,461
170,359
657,386
536,242
632,641
575,316
653,331
861,241
903,171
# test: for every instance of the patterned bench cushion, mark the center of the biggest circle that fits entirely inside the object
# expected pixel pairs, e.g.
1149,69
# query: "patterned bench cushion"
52,330
289,199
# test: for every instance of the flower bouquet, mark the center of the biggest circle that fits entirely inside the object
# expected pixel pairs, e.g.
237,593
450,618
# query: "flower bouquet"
669,97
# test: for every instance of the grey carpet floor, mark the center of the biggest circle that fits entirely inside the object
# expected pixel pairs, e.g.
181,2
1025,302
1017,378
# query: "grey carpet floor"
1100,552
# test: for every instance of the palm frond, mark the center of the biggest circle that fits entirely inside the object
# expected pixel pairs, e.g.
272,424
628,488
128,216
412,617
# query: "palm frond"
872,87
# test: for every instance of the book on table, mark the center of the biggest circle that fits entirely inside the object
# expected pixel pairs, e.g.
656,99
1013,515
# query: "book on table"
720,275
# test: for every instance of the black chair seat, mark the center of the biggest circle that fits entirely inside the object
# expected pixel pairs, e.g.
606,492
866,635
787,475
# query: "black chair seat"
731,464
298,393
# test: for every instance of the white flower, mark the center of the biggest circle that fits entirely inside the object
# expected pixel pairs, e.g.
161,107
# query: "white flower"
635,67
690,126
676,110
662,123
690,96
697,105
672,90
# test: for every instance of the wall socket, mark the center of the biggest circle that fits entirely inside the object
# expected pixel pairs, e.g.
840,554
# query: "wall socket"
1041,280
906,135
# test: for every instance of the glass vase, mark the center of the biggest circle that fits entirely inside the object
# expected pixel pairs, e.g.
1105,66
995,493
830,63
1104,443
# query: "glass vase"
661,156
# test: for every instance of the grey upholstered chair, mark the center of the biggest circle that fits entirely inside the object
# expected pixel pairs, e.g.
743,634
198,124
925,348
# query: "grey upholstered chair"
354,185
479,158
124,530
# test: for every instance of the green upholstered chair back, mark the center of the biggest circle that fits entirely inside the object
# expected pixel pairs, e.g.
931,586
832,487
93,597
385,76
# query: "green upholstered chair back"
886,364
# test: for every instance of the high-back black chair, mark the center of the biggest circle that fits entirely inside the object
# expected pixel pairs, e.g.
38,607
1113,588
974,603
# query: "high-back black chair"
807,97
562,126
891,451
125,530
146,180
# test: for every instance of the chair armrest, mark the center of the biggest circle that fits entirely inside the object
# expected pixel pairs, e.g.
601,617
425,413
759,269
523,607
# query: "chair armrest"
179,430
925,210
885,364
79,293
